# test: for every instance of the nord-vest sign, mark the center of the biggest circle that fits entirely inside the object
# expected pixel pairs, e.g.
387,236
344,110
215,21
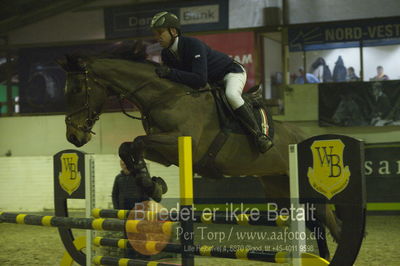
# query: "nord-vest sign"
311,35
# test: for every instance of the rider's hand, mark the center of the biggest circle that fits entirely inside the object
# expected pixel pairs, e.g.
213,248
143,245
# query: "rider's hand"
163,71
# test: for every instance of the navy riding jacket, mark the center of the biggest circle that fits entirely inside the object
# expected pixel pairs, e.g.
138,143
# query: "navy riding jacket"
197,63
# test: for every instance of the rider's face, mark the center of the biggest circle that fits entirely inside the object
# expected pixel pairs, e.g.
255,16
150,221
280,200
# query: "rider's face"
163,36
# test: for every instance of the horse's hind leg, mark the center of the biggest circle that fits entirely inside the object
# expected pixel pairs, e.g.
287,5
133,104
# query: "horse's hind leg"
325,216
277,191
329,218
318,229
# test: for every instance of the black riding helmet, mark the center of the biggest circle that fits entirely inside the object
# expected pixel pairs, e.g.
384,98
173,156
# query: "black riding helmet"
166,20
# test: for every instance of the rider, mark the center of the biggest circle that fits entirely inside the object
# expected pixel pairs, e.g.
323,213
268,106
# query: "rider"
191,62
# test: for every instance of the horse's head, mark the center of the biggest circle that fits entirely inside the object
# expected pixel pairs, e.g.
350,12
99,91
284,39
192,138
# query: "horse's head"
85,97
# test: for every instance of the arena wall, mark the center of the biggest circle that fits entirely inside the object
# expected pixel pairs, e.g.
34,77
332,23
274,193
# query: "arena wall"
26,182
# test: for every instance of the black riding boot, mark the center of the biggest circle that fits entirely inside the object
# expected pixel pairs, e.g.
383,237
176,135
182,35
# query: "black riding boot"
246,117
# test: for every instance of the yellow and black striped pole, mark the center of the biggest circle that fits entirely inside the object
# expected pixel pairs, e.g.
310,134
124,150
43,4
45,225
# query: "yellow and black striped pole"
186,193
132,226
268,219
106,260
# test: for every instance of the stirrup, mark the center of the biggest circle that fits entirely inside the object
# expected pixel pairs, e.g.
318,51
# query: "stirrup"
159,188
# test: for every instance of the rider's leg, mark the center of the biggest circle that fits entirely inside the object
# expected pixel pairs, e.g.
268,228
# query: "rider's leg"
234,84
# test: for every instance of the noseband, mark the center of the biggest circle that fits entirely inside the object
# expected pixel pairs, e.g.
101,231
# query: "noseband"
91,115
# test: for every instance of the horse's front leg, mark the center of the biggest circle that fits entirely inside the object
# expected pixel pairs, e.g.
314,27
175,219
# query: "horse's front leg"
161,148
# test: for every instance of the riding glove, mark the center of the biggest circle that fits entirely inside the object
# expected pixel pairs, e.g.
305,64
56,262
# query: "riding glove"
163,71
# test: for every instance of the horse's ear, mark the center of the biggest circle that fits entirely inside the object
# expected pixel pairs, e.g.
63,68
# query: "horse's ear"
139,50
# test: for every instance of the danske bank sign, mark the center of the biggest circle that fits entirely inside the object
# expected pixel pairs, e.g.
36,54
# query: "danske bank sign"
199,14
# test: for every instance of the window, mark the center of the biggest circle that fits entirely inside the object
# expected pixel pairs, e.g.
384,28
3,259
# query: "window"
387,57
326,65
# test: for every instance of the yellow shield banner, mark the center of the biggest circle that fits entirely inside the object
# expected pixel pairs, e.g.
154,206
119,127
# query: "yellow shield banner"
329,176
69,177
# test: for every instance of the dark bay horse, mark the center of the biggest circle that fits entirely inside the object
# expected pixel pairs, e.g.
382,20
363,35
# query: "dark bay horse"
171,110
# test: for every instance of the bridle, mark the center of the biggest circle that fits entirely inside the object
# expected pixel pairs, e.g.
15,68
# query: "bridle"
91,116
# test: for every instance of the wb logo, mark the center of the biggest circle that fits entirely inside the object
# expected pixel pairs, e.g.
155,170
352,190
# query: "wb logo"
69,165
69,177
328,175
329,159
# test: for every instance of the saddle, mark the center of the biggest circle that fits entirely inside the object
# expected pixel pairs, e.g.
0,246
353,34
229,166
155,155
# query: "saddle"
253,98
230,124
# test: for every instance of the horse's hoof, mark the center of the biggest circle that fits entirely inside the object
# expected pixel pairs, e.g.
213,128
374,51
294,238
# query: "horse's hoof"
145,181
157,192
161,182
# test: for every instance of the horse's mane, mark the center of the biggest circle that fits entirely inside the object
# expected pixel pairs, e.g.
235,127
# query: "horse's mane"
128,50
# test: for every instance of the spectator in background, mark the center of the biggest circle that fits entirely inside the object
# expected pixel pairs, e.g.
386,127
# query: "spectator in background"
351,75
321,70
125,191
125,194
339,71
380,75
306,77
379,104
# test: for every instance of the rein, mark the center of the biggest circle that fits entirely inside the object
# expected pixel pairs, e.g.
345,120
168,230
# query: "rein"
124,96
126,113
93,116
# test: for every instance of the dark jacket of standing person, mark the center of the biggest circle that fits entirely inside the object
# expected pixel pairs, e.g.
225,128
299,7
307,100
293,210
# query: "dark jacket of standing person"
126,192
340,71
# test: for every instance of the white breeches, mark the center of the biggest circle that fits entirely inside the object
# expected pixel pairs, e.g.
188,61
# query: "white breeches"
234,84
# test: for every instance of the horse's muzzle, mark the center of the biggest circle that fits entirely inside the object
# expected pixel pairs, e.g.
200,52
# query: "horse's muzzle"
74,140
